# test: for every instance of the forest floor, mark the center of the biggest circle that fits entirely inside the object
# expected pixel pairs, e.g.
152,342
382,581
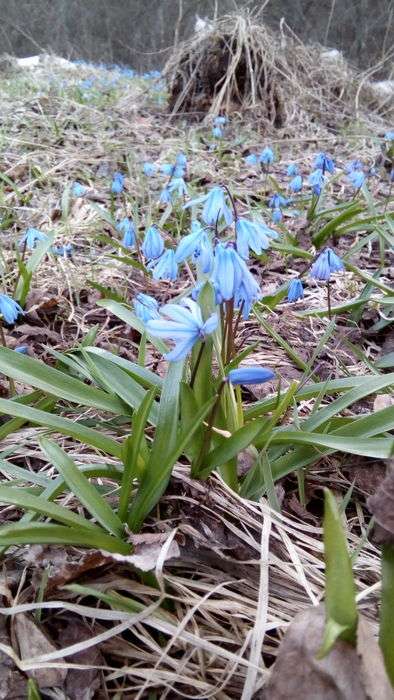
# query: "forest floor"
221,562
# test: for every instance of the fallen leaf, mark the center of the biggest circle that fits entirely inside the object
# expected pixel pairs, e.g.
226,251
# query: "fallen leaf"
147,550
12,681
346,673
383,401
33,642
81,684
381,505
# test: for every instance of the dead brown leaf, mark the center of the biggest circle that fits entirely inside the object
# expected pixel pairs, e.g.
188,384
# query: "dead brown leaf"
33,642
12,681
345,673
381,506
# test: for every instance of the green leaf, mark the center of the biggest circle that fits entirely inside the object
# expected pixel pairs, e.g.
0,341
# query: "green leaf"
340,599
326,231
82,488
23,499
22,287
33,692
65,426
298,361
130,461
386,631
47,533
379,448
142,375
231,446
158,472
27,370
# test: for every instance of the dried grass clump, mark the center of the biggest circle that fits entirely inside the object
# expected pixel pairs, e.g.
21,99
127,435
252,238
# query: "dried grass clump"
239,63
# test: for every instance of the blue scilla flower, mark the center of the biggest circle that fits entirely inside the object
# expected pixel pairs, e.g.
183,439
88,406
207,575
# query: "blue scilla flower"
295,290
292,170
251,159
63,251
276,201
353,165
31,237
149,169
177,186
146,307
78,190
9,309
184,325
152,245
356,179
326,263
389,136
203,255
252,235
217,132
165,196
277,215
22,349
126,227
324,162
232,278
190,243
181,160
316,181
295,185
392,175
267,156
215,206
172,170
165,268
250,375
117,185
246,295
220,121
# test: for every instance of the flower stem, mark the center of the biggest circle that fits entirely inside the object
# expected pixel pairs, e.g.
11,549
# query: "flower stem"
4,344
329,299
207,436
196,364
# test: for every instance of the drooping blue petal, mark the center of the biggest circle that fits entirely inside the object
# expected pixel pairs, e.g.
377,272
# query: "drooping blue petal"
9,308
267,156
153,244
146,308
292,170
295,184
166,267
181,349
31,237
356,179
250,375
295,290
149,169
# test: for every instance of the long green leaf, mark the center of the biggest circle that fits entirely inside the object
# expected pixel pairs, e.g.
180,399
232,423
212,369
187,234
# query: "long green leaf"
34,372
231,446
48,533
65,426
82,488
131,319
378,448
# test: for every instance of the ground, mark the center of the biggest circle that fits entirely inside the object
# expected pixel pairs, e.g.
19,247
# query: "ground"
230,573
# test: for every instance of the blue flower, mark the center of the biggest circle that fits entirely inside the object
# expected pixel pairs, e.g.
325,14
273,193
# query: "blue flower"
267,156
78,190
389,136
250,375
185,327
254,235
356,179
203,255
232,278
152,245
215,206
277,201
146,307
251,159
217,132
354,165
277,215
117,185
165,268
190,243
31,237
220,121
324,162
165,196
181,160
177,186
172,170
327,263
316,181
9,309
64,251
149,169
126,227
22,349
295,290
295,185
292,170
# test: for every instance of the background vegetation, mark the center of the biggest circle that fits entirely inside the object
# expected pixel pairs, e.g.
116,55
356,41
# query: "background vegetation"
139,32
